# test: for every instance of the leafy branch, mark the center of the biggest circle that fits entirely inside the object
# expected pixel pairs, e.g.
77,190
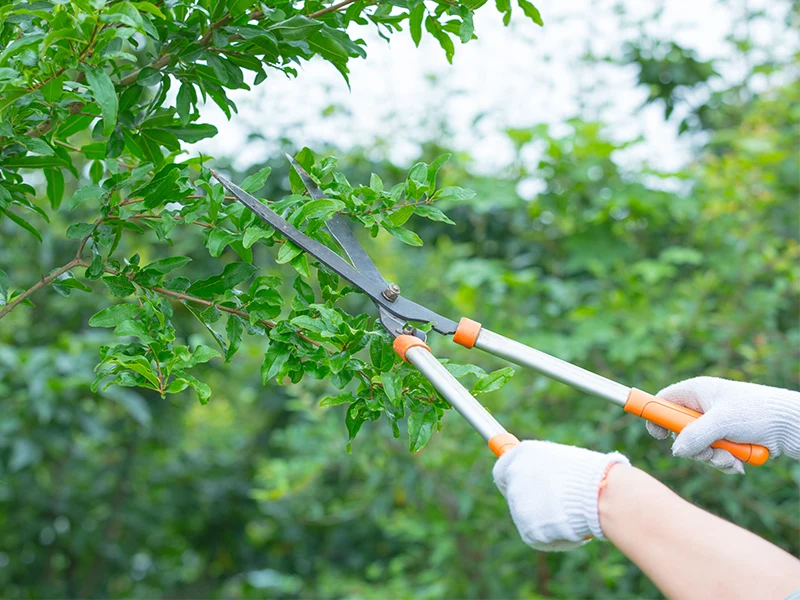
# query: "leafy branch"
74,100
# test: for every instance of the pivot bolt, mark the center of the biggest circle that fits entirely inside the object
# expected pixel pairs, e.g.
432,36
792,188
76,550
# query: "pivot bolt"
392,292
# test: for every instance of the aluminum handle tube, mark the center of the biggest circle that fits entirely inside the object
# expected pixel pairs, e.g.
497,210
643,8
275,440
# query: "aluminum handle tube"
455,393
553,367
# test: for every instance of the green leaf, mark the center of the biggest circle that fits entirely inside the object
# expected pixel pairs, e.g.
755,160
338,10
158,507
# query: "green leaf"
88,192
202,389
393,386
66,282
336,400
467,28
419,174
114,315
255,233
234,330
52,90
504,6
3,287
531,11
415,22
119,285
105,94
209,316
400,216
493,381
202,354
274,359
184,102
192,132
24,224
165,265
149,7
134,329
405,236
296,28
253,183
420,428
459,371
435,29
36,145
300,264
35,162
96,267
77,231
432,213
177,385
381,354
148,77
218,240
454,193
323,208
287,252
55,187
433,169
354,419
232,275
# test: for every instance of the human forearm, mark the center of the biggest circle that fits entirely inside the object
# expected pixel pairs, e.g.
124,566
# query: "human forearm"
685,551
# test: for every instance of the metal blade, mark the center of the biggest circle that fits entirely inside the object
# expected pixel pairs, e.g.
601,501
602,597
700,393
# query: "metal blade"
396,326
401,307
340,230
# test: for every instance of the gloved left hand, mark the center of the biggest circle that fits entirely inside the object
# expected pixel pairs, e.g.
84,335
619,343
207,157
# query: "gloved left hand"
552,491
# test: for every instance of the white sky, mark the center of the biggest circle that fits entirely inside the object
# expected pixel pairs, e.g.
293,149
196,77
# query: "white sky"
514,76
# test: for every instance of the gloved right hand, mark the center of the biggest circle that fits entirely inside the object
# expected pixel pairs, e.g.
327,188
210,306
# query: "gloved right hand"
737,411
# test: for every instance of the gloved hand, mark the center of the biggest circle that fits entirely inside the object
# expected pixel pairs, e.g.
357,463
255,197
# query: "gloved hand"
552,492
739,412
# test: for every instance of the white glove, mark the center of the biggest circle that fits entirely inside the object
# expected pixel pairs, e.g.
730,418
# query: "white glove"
552,492
739,412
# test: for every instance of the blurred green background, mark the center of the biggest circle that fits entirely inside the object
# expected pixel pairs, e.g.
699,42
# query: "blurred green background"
644,276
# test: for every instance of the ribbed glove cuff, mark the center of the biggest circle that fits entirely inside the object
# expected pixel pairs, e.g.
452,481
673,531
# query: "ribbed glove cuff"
783,433
582,487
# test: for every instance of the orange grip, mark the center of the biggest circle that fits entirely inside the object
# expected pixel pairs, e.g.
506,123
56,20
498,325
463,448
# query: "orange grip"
675,417
403,342
502,443
467,332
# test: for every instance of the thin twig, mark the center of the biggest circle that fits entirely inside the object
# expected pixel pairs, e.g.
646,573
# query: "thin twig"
39,284
177,218
81,56
330,9
397,206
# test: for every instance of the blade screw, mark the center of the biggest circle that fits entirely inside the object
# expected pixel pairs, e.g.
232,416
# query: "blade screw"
392,292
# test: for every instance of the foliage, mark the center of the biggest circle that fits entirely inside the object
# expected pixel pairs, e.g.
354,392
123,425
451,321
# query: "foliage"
642,276
88,92
118,493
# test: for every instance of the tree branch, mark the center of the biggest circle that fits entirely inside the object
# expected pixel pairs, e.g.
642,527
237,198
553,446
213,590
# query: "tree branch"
330,9
39,284
177,218
164,59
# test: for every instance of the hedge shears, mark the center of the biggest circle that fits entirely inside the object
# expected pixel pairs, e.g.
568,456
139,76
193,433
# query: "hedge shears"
397,315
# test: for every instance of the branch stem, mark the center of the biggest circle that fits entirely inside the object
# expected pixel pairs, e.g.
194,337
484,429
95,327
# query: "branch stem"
330,9
39,284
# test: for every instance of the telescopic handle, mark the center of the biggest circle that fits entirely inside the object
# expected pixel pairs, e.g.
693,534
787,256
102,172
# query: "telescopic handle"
413,350
674,417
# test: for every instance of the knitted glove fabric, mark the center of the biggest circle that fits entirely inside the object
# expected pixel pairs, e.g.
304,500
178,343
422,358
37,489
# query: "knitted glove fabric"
552,492
739,412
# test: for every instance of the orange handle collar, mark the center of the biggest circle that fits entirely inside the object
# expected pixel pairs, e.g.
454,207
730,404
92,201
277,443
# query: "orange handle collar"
502,443
675,417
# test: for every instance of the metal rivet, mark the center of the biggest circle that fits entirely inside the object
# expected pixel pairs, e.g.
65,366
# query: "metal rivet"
392,292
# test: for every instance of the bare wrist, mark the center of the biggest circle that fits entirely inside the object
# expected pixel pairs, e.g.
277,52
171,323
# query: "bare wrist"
616,490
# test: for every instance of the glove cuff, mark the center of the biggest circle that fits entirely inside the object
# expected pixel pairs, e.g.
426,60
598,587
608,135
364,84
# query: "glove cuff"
783,432
582,491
